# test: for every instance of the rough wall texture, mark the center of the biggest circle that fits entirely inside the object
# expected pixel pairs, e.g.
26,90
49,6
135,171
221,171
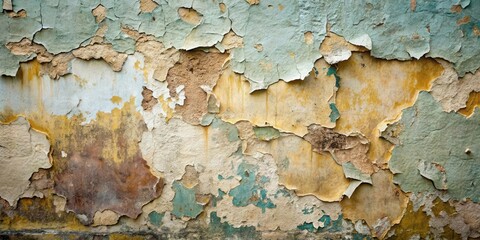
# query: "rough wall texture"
252,119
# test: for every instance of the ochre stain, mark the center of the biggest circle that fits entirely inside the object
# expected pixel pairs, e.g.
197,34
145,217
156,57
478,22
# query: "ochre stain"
439,206
473,102
116,100
37,213
376,201
412,223
308,172
374,92
289,107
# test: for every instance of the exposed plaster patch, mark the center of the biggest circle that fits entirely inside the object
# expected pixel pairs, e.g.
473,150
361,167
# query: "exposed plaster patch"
102,51
195,70
23,151
453,92
148,6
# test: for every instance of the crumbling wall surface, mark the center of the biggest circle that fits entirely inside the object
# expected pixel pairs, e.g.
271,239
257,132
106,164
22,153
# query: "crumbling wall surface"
248,119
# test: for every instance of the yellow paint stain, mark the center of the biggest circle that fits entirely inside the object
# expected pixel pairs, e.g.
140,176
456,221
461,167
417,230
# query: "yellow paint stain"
116,99
36,213
373,93
413,223
122,236
307,172
472,103
376,201
205,141
289,107
440,206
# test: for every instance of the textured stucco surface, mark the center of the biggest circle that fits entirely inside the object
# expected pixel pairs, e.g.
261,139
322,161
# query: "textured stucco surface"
250,119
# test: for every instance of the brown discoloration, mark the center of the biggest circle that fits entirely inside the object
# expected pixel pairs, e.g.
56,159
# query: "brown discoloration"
413,5
147,6
344,148
463,20
148,100
195,69
91,183
377,201
456,9
102,51
102,170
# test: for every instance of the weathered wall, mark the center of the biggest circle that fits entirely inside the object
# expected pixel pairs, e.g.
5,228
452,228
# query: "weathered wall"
232,118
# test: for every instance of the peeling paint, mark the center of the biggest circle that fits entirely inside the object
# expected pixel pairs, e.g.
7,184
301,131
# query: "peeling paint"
23,151
437,138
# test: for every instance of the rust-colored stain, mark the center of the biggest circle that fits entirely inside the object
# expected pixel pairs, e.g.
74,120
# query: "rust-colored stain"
148,100
102,171
94,165
91,183
194,70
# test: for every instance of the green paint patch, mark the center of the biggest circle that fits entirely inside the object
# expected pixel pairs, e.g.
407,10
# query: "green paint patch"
334,114
229,231
250,191
184,202
231,130
328,225
439,151
156,218
333,71
266,133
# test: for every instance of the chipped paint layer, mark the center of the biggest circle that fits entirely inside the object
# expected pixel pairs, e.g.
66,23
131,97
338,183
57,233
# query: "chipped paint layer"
239,119
444,144
23,151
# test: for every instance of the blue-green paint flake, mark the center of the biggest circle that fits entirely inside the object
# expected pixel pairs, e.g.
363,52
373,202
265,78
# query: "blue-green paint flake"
329,225
155,218
250,190
266,133
184,202
437,150
334,114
